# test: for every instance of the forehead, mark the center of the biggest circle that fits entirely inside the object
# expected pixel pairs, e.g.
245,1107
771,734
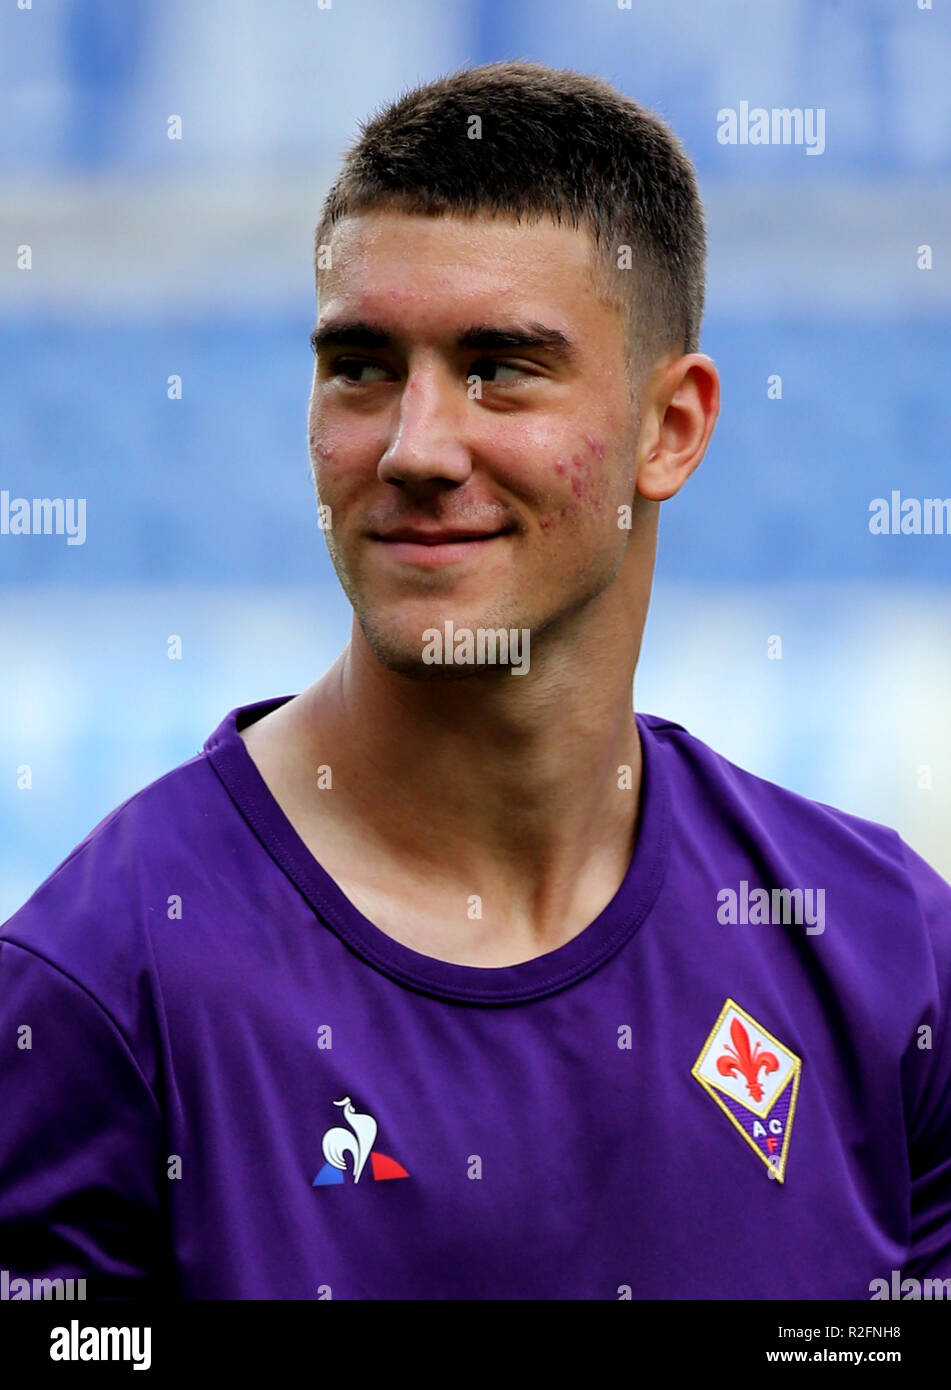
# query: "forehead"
389,260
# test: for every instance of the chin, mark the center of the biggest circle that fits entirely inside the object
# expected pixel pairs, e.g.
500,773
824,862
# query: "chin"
406,659
418,670
401,647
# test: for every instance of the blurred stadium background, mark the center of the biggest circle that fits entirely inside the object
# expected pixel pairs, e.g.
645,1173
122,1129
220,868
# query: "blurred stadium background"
153,257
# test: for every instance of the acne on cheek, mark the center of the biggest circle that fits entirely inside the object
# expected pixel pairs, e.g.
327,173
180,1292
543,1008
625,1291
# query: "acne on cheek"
596,446
321,458
329,475
588,482
316,434
545,521
324,454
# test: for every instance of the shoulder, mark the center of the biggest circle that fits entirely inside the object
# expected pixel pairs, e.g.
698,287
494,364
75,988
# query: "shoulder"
885,906
796,825
90,919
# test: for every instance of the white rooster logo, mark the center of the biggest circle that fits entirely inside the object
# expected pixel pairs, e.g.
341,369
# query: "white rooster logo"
339,1141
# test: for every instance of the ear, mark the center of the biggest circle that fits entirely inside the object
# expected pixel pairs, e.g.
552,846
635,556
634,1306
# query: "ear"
680,409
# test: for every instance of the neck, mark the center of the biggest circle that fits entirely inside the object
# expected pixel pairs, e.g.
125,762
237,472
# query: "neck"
508,785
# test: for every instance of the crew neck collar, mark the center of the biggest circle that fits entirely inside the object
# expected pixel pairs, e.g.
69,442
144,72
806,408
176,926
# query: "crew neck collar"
508,984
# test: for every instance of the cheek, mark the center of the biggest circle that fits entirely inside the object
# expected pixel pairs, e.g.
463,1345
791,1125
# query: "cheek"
338,489
580,483
320,451
336,460
596,447
339,482
327,438
588,474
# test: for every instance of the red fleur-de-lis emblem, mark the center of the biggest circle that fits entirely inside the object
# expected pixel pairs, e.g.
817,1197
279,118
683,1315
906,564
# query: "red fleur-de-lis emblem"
739,1058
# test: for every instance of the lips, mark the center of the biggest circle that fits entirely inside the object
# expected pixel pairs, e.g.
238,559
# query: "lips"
430,547
416,535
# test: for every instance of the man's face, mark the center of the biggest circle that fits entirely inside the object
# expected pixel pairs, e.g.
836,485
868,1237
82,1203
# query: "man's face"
469,389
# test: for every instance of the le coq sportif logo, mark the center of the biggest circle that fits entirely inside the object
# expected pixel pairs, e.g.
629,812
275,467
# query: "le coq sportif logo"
351,1151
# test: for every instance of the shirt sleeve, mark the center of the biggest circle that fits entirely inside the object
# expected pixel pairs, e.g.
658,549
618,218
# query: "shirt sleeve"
928,1086
80,1138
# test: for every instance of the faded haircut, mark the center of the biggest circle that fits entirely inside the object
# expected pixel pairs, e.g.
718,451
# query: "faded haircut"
555,143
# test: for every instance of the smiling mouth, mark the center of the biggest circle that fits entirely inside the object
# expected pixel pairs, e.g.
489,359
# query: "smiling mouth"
411,536
431,548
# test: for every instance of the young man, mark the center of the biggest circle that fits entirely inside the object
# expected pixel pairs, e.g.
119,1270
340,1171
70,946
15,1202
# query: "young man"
451,977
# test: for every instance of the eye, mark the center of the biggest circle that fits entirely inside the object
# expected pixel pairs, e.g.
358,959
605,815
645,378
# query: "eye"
350,368
492,370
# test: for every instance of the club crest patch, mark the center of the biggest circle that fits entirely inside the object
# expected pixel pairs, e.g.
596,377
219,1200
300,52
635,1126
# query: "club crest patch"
754,1080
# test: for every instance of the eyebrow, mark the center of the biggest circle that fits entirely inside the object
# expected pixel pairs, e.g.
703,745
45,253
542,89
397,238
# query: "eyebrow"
490,337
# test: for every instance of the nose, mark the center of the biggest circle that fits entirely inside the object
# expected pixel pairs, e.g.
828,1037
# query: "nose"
428,434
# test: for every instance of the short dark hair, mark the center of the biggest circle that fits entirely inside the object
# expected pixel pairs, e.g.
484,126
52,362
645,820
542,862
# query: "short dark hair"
552,142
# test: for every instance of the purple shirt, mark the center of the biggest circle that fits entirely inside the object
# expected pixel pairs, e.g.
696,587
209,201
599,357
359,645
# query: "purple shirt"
238,1087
